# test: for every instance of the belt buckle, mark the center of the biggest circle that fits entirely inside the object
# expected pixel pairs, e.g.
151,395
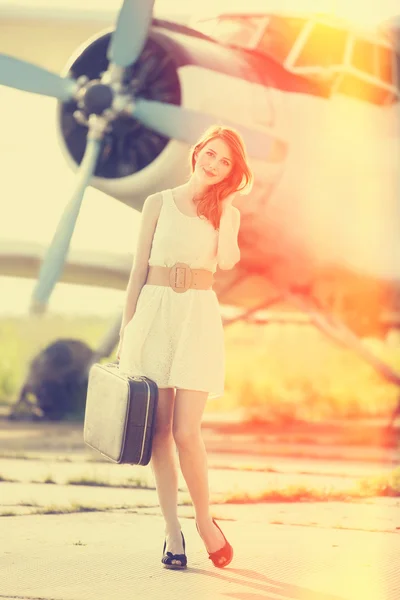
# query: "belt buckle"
180,277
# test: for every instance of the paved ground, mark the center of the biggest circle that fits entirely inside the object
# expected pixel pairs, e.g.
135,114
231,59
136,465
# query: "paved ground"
117,556
107,539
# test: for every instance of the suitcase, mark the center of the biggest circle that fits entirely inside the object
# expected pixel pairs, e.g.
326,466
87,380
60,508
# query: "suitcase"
120,414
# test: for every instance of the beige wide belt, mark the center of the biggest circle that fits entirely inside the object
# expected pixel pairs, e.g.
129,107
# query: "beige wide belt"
180,277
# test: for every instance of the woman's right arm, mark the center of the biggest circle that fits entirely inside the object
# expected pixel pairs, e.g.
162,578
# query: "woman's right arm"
150,213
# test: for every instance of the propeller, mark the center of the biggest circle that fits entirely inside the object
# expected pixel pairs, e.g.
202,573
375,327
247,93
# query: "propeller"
53,263
126,45
21,75
130,35
188,125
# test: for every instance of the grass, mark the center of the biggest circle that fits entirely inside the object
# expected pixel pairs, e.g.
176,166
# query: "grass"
250,468
368,487
49,479
87,481
134,483
260,469
53,509
273,373
383,485
17,456
186,502
6,479
76,507
35,456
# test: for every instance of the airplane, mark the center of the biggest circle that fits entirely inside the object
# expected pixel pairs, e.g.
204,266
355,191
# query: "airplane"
316,100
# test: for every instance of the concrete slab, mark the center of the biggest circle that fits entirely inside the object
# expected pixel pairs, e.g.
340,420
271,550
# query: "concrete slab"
107,556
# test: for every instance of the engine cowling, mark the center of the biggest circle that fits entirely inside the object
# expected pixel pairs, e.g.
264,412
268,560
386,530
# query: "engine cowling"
179,67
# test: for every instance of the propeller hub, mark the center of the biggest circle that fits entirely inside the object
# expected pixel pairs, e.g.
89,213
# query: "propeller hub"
98,97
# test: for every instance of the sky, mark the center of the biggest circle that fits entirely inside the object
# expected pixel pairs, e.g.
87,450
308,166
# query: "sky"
35,185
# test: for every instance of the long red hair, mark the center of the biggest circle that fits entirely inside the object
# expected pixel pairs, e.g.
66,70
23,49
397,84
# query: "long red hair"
239,179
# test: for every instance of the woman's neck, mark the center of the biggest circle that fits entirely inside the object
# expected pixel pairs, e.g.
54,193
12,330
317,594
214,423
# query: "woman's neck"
194,189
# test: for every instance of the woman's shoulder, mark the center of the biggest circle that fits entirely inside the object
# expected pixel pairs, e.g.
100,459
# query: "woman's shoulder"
154,201
152,206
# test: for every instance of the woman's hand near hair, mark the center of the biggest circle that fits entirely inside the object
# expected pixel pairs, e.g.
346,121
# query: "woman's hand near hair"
227,201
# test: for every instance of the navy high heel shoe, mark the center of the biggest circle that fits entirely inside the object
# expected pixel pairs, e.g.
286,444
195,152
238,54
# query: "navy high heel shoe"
168,557
222,557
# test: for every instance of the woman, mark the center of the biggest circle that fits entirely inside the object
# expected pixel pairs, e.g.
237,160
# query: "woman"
171,327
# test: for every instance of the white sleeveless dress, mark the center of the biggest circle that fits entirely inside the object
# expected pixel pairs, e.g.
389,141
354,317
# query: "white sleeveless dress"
177,339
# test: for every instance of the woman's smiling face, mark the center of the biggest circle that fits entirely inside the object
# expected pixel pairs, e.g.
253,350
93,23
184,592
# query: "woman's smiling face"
214,162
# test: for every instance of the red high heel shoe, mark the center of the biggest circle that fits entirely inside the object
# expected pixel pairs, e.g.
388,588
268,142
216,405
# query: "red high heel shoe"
222,557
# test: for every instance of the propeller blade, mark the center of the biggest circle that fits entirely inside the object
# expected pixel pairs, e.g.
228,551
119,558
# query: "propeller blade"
188,125
53,262
131,31
21,75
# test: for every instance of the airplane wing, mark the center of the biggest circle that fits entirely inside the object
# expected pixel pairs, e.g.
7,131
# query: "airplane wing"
101,269
108,270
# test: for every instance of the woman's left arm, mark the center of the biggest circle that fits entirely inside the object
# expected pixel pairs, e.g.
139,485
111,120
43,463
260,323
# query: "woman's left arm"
228,248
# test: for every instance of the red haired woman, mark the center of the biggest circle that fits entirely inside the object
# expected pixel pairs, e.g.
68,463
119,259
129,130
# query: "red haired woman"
172,330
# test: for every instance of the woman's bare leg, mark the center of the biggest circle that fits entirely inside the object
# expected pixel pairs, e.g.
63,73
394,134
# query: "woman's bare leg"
188,411
164,466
